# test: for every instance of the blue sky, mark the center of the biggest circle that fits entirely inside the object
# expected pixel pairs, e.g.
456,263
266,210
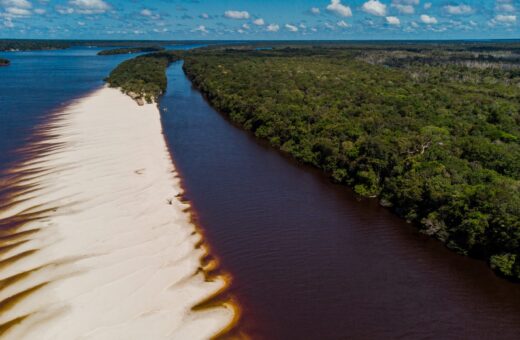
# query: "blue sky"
260,19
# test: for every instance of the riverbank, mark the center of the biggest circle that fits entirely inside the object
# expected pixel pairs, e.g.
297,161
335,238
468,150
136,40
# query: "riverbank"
96,243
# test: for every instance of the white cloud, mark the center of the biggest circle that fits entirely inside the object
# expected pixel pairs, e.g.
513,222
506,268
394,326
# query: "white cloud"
246,26
16,3
18,11
428,5
200,28
273,28
146,12
315,10
338,8
291,28
342,24
40,11
429,20
259,22
458,10
237,15
508,19
89,6
405,6
8,23
204,16
405,9
374,7
393,21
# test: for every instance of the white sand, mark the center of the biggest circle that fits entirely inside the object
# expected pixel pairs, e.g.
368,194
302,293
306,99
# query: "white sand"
118,253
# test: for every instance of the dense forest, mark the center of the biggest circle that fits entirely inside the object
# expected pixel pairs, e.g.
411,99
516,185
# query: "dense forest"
4,62
142,78
434,133
130,50
433,130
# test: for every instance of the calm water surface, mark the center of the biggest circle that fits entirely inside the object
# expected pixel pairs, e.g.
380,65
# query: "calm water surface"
40,82
309,260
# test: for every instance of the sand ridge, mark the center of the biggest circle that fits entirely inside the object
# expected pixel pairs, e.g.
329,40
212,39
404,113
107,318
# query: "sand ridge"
101,247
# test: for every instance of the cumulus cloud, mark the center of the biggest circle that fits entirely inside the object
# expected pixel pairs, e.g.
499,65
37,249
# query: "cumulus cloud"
259,22
405,9
89,6
201,29
15,11
338,8
458,10
429,20
405,6
374,7
16,3
315,10
149,14
393,21
237,15
428,5
273,28
291,28
508,19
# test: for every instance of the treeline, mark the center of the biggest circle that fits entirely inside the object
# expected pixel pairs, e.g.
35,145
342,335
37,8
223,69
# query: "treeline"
143,78
35,45
4,62
440,144
130,50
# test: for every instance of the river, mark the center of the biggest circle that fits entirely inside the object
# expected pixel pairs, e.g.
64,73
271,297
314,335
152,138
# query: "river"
309,259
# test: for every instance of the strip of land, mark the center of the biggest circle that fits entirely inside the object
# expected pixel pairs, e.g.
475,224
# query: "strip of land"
95,243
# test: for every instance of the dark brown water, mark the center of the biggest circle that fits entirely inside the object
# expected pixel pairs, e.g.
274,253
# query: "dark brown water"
310,260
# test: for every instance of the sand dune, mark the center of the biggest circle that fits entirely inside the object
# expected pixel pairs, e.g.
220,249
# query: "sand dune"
94,241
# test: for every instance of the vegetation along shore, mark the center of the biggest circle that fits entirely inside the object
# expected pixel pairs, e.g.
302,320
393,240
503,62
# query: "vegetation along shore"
433,130
130,50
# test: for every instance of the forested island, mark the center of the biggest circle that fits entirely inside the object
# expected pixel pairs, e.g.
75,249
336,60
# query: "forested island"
130,50
143,78
432,130
4,62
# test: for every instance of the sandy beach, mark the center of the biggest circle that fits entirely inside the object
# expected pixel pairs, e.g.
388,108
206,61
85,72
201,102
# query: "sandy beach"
95,243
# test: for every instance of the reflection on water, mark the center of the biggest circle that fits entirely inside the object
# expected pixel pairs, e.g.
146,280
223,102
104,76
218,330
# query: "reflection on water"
311,261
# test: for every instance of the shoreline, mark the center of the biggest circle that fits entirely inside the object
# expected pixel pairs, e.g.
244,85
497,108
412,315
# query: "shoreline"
99,244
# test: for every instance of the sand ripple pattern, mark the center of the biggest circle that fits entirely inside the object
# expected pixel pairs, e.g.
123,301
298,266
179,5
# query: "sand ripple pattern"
94,240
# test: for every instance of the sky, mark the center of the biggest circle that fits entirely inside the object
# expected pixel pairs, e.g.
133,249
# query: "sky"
260,19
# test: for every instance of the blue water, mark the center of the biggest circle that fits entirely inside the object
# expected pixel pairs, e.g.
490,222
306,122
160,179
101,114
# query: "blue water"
40,82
